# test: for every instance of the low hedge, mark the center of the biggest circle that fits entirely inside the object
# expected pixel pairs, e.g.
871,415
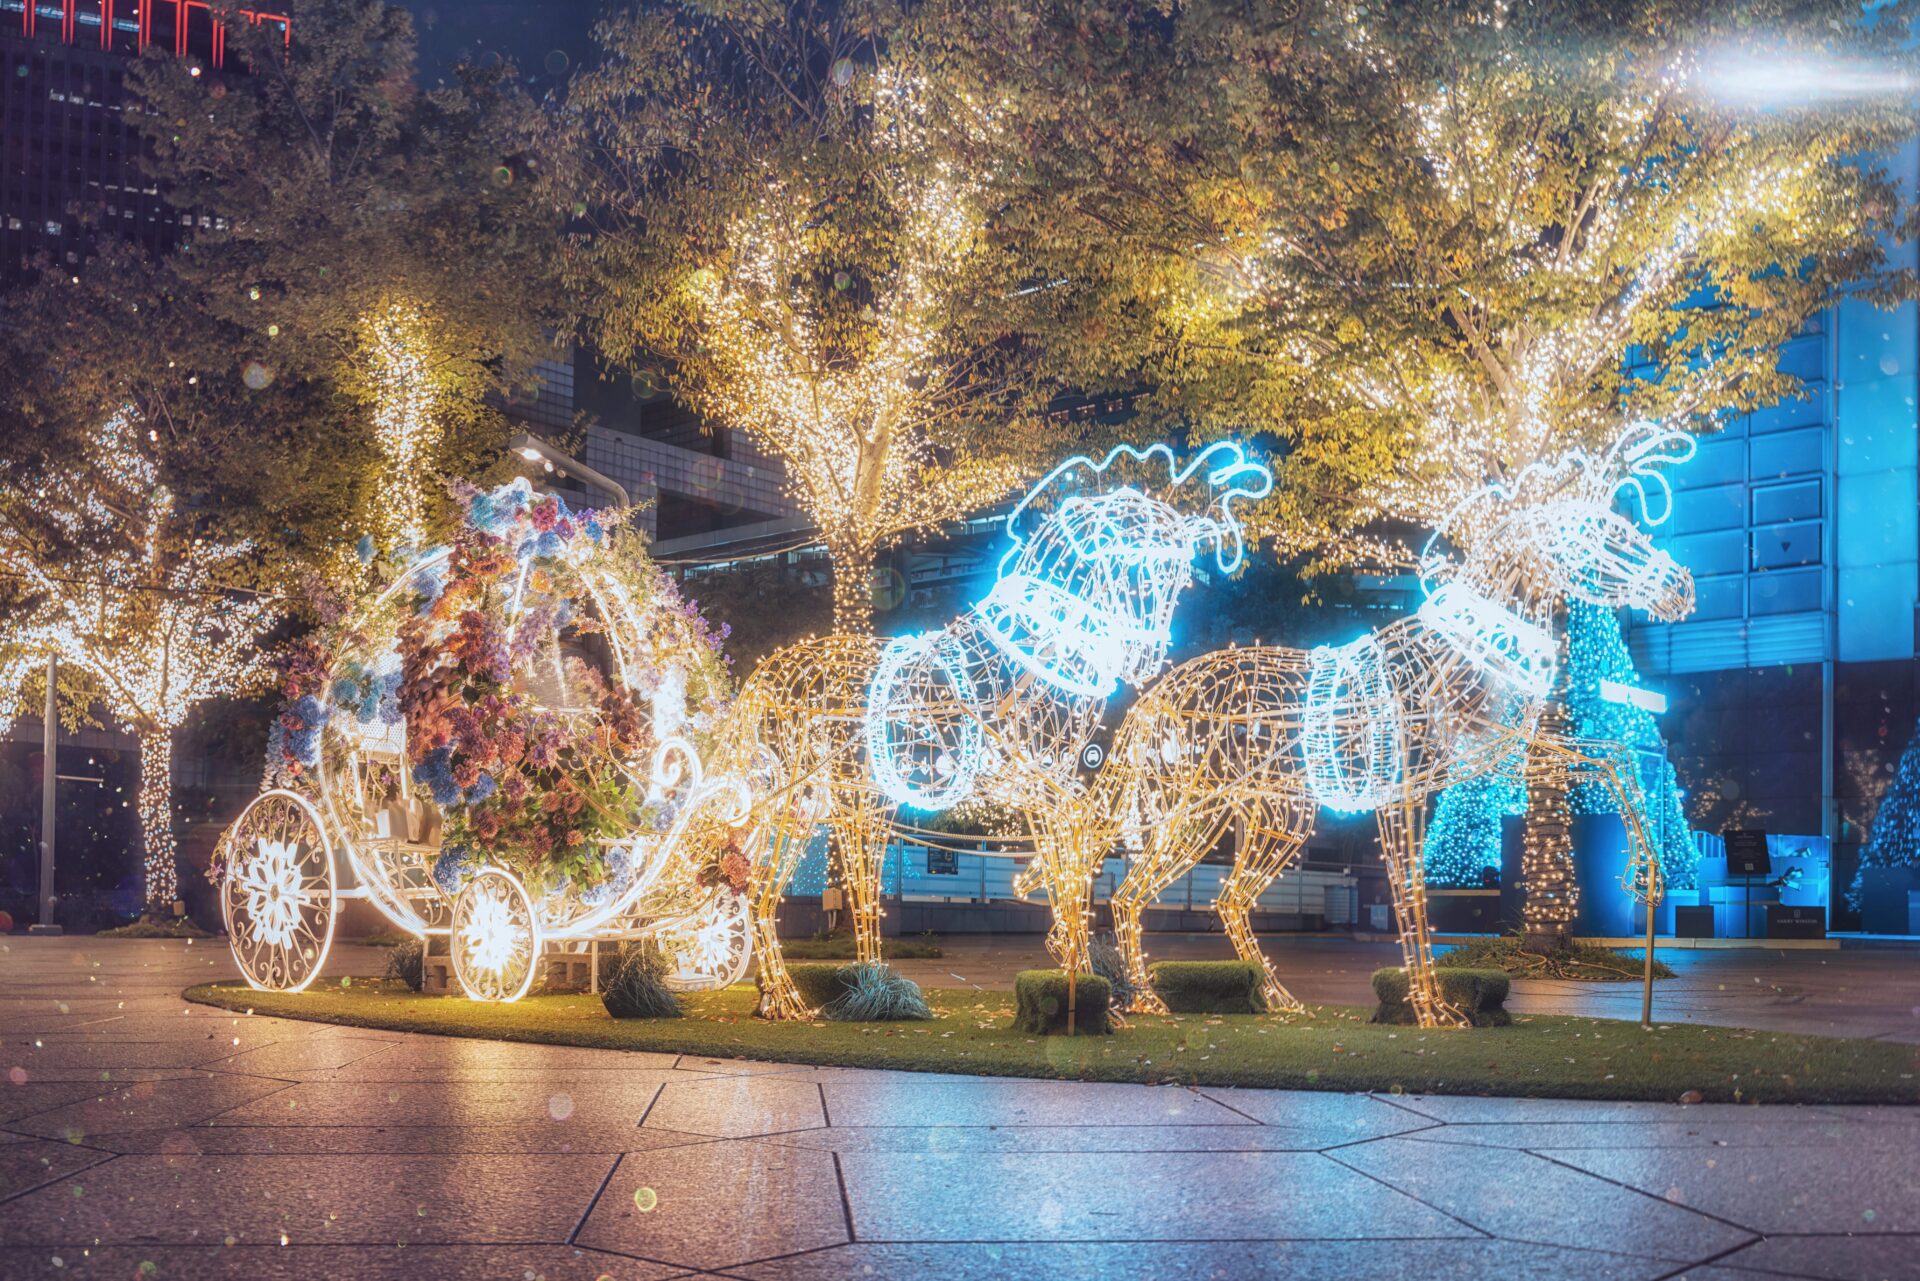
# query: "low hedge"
1209,987
1481,995
1040,1003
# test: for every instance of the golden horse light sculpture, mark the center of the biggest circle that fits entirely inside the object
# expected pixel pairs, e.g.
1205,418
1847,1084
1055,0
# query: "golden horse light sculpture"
1001,703
1265,736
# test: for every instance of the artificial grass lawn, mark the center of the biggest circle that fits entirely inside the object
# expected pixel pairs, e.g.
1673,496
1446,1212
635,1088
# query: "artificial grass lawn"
1586,961
1334,1048
841,947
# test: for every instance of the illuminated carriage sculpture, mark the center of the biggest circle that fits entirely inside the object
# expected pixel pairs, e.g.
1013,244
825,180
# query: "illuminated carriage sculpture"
586,636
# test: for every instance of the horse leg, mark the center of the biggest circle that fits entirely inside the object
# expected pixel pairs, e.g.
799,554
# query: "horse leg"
1401,827
1171,851
861,838
1062,851
1273,840
779,998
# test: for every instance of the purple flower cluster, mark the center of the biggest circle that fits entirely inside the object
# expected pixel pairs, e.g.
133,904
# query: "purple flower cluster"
301,725
452,869
368,694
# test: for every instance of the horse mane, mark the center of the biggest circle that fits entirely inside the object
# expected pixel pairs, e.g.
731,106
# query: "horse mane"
1156,470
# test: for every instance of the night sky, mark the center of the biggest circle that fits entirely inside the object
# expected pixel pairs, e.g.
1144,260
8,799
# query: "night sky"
545,39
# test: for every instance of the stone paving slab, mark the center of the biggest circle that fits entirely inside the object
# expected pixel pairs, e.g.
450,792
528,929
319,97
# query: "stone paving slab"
557,1100
362,1199
1139,1196
313,1262
1810,1189
719,1204
383,1154
1832,1258
1525,1197
1428,1260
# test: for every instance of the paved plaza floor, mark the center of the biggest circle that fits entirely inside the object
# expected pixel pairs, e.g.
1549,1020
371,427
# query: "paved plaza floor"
142,1137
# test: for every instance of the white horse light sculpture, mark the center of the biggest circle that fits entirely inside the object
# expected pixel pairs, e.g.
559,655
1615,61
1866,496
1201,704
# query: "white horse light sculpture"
999,704
1264,736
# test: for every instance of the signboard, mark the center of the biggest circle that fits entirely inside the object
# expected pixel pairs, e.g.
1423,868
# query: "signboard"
943,862
1747,853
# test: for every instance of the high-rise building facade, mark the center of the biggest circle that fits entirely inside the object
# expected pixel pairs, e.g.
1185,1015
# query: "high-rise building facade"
67,144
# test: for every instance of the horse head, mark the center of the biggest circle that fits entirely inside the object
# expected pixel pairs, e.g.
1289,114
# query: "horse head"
1556,523
1083,602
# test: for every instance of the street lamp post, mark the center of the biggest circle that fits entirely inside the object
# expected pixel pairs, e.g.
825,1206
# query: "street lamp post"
532,449
49,770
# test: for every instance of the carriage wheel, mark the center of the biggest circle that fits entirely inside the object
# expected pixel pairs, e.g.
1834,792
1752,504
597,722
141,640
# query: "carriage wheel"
495,937
277,892
710,950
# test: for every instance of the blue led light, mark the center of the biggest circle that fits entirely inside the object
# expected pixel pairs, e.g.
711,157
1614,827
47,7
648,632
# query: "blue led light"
1350,727
924,756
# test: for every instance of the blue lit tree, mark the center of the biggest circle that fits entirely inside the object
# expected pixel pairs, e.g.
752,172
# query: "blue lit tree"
1596,652
1464,835
1895,838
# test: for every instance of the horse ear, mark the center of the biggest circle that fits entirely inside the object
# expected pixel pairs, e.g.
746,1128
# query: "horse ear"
1632,467
1231,476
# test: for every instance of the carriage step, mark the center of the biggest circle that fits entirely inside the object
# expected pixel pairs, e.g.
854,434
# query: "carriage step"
437,976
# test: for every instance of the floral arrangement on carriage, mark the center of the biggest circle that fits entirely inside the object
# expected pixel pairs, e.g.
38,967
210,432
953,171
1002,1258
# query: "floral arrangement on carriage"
501,742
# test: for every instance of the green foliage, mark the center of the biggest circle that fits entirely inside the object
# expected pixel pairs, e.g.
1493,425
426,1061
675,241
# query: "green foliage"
875,993
342,190
1479,994
156,927
840,946
1582,961
1040,1003
1209,987
1420,247
407,963
637,990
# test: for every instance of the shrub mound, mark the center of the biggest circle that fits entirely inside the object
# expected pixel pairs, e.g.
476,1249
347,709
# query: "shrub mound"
1040,1003
875,993
157,927
818,981
638,990
407,963
1209,987
1481,995
1575,961
871,993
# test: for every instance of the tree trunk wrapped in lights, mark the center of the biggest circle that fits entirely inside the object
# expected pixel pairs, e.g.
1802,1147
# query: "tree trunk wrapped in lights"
125,589
156,814
401,377
1546,865
806,267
